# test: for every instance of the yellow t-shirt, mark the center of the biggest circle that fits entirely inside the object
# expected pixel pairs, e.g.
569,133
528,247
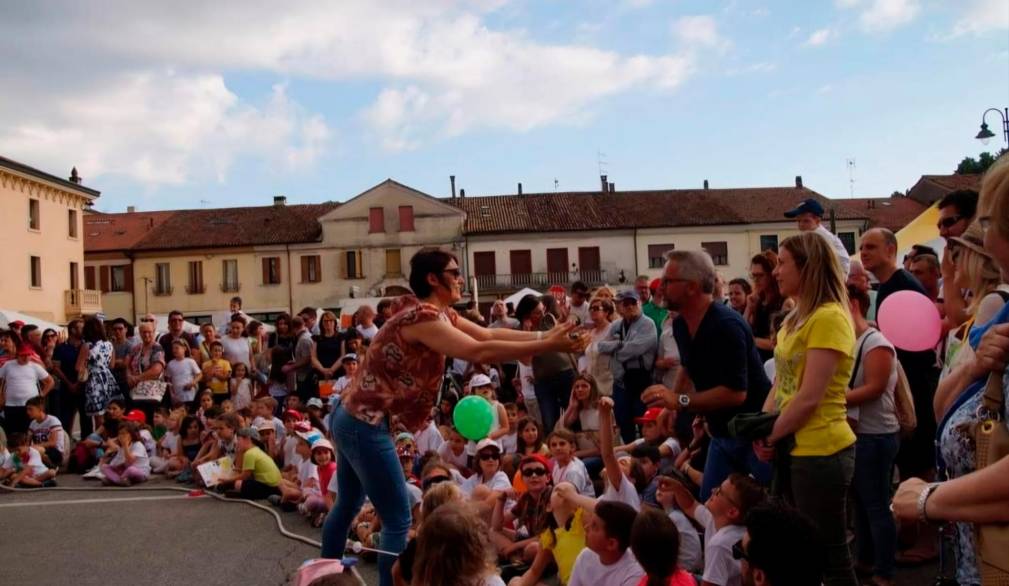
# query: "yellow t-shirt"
219,386
565,545
264,469
830,327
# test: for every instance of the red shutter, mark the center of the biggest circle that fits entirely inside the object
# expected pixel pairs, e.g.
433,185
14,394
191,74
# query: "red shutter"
376,220
103,273
128,277
406,219
89,278
266,270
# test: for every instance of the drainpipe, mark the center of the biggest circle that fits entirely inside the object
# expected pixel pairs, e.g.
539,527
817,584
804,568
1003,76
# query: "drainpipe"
133,289
636,271
290,281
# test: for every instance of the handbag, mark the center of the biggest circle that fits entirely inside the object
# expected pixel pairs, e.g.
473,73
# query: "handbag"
904,403
992,439
149,390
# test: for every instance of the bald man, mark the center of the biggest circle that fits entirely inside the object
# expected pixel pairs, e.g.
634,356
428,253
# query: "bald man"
878,252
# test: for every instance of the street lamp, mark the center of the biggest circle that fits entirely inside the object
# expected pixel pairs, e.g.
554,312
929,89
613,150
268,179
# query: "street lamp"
985,135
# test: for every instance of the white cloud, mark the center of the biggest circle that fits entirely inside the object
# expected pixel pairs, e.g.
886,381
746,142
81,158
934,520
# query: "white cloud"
982,16
886,15
700,31
819,37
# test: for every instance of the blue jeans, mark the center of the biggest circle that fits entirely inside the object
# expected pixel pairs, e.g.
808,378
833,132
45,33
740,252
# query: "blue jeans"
874,525
366,463
627,403
727,455
552,394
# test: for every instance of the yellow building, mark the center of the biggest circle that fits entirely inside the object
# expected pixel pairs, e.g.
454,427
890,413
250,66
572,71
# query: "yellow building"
41,215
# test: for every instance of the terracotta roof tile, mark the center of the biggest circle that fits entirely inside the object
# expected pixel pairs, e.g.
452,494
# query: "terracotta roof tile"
110,232
888,212
956,181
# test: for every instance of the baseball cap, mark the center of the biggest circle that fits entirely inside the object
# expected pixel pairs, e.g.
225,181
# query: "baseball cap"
250,433
487,443
314,402
25,350
323,443
17,324
348,357
652,414
310,436
261,423
806,206
539,459
136,415
628,294
479,380
296,415
405,436
654,285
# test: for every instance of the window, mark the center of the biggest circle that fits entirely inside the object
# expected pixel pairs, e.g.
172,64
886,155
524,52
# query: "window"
353,267
406,218
393,266
768,242
72,223
89,278
162,279
36,271
118,280
311,269
74,276
719,252
34,221
656,260
271,270
230,272
376,220
195,286
848,240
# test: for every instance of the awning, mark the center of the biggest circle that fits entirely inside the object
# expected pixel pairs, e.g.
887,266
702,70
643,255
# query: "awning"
921,230
9,315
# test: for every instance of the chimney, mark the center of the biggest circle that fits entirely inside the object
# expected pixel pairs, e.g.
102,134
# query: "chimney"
798,181
74,177
451,179
604,183
462,193
705,184
520,188
613,187
150,223
280,200
131,209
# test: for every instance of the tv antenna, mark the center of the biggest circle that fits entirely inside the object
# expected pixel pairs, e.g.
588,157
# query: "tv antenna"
851,176
557,185
601,162
204,202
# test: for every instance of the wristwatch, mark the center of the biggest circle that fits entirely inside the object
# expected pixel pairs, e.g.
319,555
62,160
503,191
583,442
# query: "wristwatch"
683,400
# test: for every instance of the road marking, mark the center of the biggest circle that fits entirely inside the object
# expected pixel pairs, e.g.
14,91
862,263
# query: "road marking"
103,500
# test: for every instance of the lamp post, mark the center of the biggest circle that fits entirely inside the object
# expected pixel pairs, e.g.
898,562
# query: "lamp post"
985,135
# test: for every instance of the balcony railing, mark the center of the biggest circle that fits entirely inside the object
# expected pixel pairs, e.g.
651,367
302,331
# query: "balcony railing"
196,289
540,281
162,291
82,301
230,287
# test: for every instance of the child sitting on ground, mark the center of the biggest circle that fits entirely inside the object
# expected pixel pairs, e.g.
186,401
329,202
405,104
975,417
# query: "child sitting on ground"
90,449
206,403
46,432
567,467
529,515
265,407
529,440
349,362
562,541
186,450
24,467
224,444
482,386
169,441
130,463
472,559
653,433
453,452
316,503
259,477
606,558
691,553
654,542
294,491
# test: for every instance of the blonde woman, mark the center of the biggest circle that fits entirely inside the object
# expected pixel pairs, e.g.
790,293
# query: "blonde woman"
813,359
601,312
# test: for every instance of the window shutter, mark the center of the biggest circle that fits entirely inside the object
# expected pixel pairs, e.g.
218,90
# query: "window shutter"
360,264
317,261
104,277
280,275
128,277
406,218
343,265
376,220
266,270
304,269
89,278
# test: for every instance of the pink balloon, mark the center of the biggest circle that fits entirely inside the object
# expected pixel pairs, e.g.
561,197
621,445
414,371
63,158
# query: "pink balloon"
910,321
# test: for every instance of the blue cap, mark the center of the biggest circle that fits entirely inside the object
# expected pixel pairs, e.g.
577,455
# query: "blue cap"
809,206
628,294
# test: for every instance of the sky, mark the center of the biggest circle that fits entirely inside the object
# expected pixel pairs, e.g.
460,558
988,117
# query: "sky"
185,104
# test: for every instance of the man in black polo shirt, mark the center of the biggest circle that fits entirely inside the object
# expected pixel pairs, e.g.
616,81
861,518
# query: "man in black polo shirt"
722,374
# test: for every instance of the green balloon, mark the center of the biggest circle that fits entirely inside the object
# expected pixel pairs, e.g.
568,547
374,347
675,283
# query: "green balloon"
473,417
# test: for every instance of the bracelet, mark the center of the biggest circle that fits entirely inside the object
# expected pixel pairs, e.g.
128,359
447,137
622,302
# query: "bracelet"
923,500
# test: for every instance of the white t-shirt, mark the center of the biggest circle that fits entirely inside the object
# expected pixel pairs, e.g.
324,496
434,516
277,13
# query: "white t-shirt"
769,369
181,373
243,394
838,246
691,555
367,333
22,381
332,483
236,350
150,444
449,457
719,566
625,493
879,415
497,482
589,570
428,439
307,471
169,441
668,463
526,378
291,455
509,443
492,580
42,431
140,459
575,473
34,462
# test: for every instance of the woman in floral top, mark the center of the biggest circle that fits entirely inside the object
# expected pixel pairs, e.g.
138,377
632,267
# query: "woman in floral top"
400,376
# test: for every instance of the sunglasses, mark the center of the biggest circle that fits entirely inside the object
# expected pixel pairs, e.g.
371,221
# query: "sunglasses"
147,320
489,456
948,222
429,482
596,308
530,472
454,272
738,553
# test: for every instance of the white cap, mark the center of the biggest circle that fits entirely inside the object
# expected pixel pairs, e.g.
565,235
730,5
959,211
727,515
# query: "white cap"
487,443
479,380
314,402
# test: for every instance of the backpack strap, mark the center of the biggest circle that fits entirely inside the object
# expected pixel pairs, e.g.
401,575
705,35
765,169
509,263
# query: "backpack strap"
858,356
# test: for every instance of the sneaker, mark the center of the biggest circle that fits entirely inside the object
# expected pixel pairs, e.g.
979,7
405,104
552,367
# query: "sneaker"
93,474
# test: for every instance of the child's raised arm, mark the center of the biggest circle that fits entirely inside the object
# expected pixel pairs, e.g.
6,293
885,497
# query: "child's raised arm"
568,492
684,500
613,472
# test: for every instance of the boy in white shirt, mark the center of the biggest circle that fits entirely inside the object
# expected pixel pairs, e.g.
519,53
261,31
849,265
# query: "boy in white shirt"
24,467
722,518
606,558
567,466
46,431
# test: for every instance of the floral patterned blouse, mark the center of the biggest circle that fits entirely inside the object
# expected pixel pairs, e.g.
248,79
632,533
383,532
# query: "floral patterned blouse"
399,378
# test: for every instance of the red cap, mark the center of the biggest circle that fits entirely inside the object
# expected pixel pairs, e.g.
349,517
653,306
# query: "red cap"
17,324
651,415
654,285
557,289
303,427
25,350
292,413
136,415
537,458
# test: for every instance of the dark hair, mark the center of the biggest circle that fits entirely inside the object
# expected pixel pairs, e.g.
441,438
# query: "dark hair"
383,304
655,542
236,299
767,261
549,305
216,344
37,401
307,310
133,428
920,249
964,200
617,518
428,261
580,288
94,331
646,451
213,413
856,293
18,439
27,329
48,332
175,312
785,544
239,318
232,421
520,444
118,402
742,283
749,492
526,306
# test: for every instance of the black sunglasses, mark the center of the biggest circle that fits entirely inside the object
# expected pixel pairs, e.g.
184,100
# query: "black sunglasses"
738,553
530,472
489,456
948,222
429,482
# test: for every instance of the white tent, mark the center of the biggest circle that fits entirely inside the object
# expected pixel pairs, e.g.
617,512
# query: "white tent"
514,298
9,315
162,325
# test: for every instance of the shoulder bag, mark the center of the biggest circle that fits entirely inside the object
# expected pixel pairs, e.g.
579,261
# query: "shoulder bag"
992,439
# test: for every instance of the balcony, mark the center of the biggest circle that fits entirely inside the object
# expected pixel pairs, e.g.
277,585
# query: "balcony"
196,289
77,302
539,281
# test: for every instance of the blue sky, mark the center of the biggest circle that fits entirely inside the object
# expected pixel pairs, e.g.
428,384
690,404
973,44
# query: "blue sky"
229,104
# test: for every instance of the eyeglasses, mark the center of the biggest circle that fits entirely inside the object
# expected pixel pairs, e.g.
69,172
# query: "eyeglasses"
433,480
454,272
489,456
717,491
596,308
738,553
948,222
530,472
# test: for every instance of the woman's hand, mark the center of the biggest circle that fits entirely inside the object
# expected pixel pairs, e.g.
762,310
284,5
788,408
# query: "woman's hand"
993,352
763,450
562,338
905,501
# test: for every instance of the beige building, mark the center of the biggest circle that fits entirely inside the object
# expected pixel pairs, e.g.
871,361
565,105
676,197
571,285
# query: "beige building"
42,216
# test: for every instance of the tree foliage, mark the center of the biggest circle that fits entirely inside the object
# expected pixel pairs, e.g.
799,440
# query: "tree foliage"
970,165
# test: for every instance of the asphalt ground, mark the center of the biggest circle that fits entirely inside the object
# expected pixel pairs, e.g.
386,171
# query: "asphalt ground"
113,537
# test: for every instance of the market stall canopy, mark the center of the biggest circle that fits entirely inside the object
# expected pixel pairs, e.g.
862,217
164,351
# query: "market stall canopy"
9,315
514,298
